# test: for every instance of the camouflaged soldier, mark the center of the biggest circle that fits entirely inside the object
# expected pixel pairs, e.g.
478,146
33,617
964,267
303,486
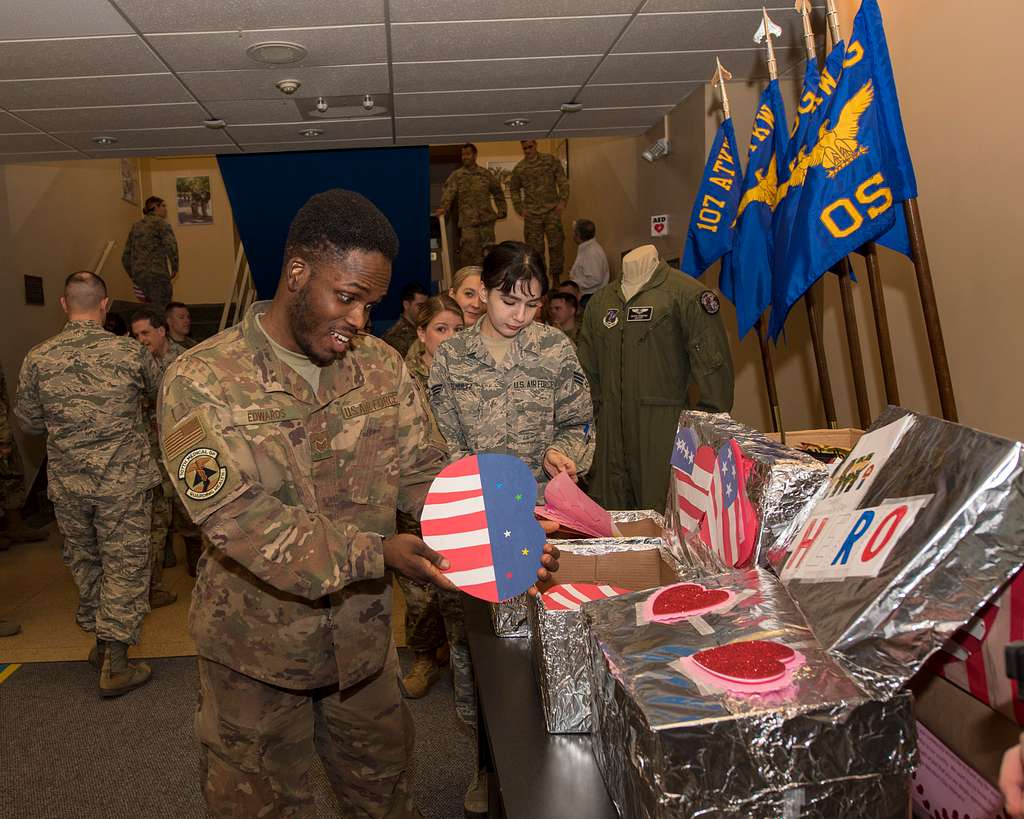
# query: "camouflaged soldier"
84,388
510,385
148,250
475,188
540,191
292,440
402,333
12,484
150,330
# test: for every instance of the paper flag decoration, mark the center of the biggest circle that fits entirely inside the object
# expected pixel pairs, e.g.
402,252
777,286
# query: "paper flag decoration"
682,600
479,515
730,527
567,504
745,667
570,596
692,468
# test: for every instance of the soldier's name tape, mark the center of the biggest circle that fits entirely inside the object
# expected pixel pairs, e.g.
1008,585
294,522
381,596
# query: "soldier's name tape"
639,313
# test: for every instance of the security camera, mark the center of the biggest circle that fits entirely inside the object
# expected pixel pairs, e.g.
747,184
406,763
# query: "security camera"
368,102
288,86
657,150
321,105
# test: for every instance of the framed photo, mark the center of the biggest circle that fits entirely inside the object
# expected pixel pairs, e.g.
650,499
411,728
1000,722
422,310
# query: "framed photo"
192,200
130,180
502,168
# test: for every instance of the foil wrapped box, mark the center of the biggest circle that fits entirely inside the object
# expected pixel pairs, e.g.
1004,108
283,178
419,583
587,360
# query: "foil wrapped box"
673,741
780,483
643,527
558,637
918,528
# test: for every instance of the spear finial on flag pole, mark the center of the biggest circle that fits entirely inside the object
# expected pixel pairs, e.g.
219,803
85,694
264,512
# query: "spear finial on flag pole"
804,9
764,34
718,80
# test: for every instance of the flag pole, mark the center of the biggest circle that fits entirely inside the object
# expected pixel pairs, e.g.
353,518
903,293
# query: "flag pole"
843,271
817,337
759,326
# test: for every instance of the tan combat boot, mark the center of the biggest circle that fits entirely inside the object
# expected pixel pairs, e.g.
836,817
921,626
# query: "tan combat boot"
158,598
421,676
97,654
475,801
119,676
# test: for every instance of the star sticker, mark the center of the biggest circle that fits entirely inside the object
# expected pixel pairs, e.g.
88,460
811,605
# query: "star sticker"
508,575
526,552
508,533
499,485
519,496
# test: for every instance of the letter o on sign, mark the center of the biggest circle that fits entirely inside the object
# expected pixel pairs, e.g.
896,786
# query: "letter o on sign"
884,532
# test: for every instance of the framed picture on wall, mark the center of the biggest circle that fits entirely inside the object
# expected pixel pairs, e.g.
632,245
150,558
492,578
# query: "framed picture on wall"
130,180
192,200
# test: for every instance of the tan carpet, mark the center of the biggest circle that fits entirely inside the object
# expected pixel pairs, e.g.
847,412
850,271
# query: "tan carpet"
37,591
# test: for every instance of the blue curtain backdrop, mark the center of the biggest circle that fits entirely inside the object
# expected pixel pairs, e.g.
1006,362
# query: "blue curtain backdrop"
266,190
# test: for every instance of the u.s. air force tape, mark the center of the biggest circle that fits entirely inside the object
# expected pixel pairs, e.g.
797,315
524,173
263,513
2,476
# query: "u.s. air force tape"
202,474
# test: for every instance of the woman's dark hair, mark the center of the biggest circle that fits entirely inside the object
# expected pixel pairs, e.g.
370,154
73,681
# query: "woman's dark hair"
509,263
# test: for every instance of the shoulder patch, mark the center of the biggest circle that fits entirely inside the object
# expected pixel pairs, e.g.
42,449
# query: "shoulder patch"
185,435
709,301
202,474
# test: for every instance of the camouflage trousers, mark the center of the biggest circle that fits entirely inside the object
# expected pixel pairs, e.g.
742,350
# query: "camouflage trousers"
12,481
473,240
106,547
431,615
156,290
160,524
537,228
258,742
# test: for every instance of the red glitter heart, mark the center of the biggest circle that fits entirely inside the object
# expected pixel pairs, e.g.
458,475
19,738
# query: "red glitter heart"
748,661
687,597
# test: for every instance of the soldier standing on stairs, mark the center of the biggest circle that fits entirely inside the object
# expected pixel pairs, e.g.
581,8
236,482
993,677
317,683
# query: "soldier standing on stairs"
84,388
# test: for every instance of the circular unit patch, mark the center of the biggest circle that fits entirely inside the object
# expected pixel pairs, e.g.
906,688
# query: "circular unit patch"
201,473
709,301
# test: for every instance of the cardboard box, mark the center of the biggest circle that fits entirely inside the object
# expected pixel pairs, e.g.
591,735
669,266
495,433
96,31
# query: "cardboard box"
633,570
945,785
845,438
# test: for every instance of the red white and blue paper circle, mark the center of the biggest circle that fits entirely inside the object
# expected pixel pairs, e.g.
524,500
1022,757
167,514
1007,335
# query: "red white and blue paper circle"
479,515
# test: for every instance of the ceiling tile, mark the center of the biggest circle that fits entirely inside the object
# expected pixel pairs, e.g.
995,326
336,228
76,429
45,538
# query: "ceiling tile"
76,92
150,138
110,118
88,56
219,50
50,156
482,102
258,84
27,19
636,94
457,138
242,112
571,131
12,125
410,11
235,15
689,66
475,124
512,38
615,117
704,32
316,145
654,6
23,143
344,129
459,76
165,150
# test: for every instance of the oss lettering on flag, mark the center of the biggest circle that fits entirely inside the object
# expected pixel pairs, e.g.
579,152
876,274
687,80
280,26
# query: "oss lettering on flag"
692,466
479,515
730,528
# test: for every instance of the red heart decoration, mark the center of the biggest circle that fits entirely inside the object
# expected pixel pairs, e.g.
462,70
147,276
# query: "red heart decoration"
748,661
658,228
687,597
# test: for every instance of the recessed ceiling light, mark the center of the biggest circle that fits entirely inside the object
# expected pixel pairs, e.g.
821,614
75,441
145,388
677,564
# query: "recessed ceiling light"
570,107
214,123
276,53
104,140
311,132
517,123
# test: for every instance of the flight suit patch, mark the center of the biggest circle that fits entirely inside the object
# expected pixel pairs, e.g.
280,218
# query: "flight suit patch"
611,318
709,301
639,313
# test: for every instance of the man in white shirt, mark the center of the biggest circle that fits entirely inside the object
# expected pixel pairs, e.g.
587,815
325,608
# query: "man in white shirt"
590,270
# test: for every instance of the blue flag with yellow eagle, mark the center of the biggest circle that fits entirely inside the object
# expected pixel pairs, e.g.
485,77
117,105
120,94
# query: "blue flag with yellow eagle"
714,210
746,278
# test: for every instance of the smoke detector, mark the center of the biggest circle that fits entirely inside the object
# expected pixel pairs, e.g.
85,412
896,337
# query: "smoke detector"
288,86
276,53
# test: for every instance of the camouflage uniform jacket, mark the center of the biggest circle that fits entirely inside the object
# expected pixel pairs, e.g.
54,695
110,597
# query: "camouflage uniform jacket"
474,187
401,335
539,185
84,387
295,492
149,246
536,399
171,352
573,334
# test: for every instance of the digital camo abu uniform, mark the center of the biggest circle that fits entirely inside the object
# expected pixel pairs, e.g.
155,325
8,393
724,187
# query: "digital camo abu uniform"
294,493
148,250
641,357
84,388
536,399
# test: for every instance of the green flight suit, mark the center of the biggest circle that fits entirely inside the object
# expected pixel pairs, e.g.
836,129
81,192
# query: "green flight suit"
640,357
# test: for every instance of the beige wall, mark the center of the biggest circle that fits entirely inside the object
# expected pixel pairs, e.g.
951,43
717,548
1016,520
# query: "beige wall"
962,129
207,252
